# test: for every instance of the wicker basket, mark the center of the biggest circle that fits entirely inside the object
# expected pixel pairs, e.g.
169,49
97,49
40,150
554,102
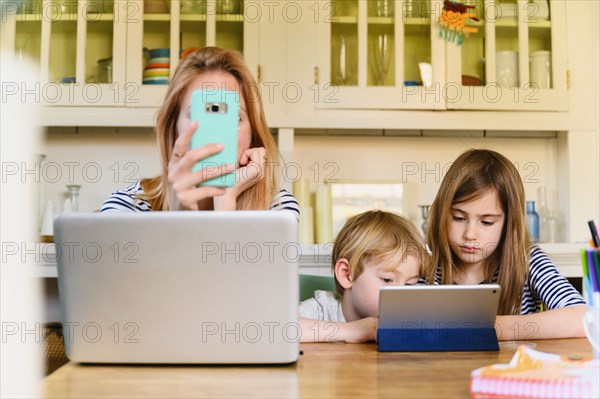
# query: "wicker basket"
54,347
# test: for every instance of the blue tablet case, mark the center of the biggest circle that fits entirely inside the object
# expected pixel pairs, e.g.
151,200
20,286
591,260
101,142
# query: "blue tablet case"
437,339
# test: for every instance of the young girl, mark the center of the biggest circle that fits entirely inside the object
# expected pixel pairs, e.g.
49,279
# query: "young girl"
373,250
478,233
177,186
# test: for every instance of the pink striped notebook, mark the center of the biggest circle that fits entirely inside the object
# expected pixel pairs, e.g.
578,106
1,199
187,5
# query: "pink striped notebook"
533,374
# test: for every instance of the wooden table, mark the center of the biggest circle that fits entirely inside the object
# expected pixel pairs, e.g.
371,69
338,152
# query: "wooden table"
324,370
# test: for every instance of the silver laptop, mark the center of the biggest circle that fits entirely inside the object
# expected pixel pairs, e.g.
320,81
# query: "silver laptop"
179,287
438,318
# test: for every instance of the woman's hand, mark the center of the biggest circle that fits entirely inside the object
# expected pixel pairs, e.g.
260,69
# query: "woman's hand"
184,193
250,172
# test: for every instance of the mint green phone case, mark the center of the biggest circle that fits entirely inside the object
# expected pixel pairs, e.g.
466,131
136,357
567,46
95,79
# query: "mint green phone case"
218,114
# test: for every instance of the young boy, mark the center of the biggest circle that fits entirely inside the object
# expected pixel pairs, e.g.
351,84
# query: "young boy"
374,249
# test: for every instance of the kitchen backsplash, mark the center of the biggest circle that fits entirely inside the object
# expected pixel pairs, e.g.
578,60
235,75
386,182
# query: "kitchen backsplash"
102,160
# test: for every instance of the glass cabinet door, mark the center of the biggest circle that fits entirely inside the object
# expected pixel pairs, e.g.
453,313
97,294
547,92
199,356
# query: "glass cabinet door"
344,43
382,55
230,25
63,18
168,30
380,43
102,63
28,33
73,44
515,61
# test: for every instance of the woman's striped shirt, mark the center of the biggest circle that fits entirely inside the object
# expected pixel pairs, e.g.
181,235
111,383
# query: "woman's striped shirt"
128,200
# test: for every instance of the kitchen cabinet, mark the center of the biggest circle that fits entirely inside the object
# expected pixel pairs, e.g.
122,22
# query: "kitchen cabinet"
371,52
342,54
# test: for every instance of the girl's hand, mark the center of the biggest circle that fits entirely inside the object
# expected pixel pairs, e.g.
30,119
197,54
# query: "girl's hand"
184,193
251,171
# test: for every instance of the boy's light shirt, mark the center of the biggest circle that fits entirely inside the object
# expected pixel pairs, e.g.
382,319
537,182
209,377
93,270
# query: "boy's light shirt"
322,306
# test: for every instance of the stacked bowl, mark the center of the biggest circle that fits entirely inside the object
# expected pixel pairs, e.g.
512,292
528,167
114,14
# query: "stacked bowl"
156,71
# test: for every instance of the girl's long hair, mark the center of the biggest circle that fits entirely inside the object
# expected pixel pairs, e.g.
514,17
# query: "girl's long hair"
210,59
472,175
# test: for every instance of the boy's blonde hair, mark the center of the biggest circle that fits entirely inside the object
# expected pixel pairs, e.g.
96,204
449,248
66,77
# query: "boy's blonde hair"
375,235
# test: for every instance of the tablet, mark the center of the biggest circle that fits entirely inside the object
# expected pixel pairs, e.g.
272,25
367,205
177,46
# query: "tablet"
438,317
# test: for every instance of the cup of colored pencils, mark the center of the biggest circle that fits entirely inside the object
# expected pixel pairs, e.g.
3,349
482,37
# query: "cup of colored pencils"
590,261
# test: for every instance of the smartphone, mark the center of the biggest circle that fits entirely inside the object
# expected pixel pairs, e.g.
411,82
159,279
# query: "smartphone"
218,115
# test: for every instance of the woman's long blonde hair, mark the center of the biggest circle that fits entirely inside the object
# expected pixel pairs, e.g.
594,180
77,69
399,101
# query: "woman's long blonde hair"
472,175
377,235
210,59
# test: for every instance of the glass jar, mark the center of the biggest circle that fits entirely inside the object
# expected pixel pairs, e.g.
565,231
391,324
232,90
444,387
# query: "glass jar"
104,70
228,7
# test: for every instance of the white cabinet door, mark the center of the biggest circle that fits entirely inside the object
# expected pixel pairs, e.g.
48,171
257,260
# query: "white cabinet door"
265,46
370,52
516,61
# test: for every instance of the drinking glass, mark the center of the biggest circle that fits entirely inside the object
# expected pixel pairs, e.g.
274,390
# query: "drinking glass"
383,56
74,196
342,72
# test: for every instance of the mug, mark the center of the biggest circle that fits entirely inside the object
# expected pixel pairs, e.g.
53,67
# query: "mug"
540,69
591,326
507,68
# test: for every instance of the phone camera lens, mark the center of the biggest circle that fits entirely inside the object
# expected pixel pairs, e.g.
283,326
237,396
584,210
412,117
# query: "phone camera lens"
215,108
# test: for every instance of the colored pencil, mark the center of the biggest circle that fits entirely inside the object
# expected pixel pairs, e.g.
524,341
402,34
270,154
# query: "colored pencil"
594,232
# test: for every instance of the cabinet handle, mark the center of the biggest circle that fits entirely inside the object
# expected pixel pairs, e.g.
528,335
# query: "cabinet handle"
258,73
568,79
316,75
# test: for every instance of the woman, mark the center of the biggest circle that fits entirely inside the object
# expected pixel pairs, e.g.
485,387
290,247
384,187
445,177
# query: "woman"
177,188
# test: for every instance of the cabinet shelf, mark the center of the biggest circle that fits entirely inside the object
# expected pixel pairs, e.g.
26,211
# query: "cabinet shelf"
345,20
230,18
381,20
510,23
157,17
417,21
29,18
202,17
64,17
193,18
100,17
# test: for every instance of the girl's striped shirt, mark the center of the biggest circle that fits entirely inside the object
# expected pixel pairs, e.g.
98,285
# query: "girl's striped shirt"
544,285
